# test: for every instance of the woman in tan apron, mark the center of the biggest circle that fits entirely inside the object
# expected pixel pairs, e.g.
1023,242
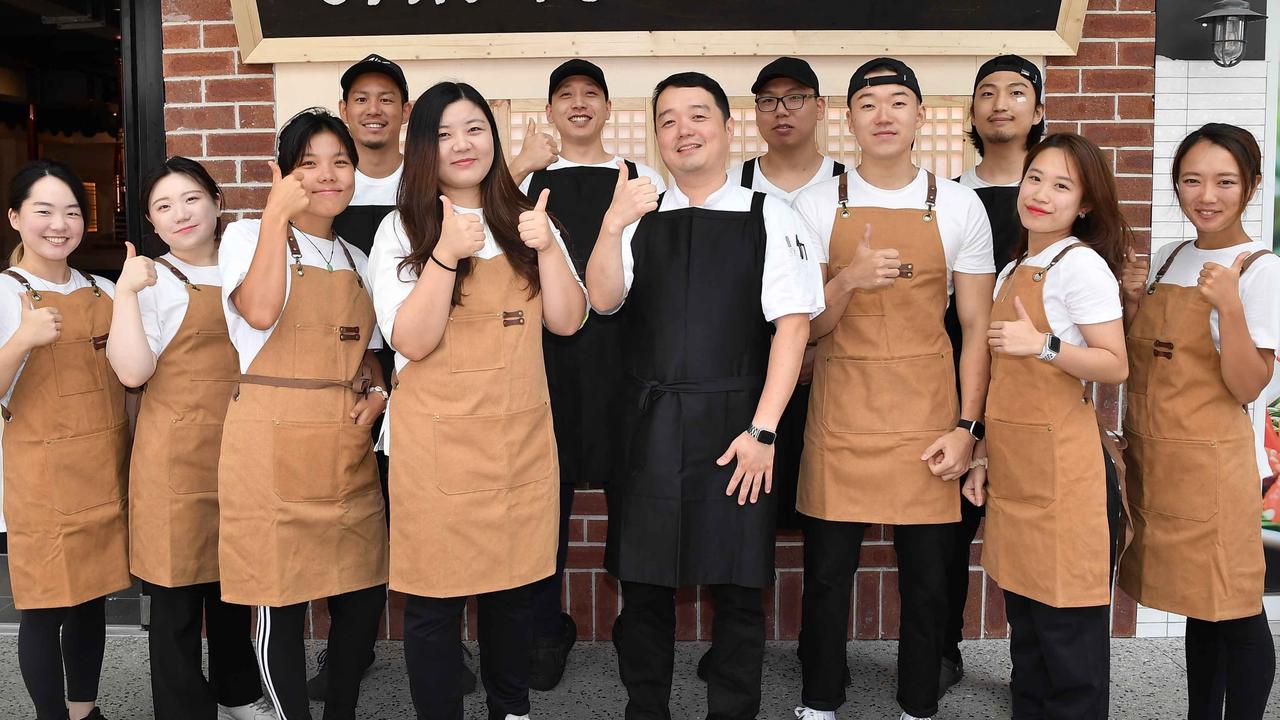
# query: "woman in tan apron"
1055,511
301,515
169,337
66,445
463,286
1203,330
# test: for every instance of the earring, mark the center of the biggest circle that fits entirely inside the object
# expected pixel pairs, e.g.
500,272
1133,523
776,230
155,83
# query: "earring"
1082,214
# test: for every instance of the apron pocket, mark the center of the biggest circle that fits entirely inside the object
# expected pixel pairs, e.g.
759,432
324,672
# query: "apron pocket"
315,352
88,470
1179,477
213,357
319,462
478,453
475,342
867,396
1023,462
75,367
193,456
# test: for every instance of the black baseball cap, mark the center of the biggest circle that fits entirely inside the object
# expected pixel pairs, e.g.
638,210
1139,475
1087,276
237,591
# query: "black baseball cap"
790,68
376,64
1014,64
576,66
902,75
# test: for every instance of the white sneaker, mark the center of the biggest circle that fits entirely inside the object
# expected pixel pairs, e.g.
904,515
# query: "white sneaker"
804,713
909,716
259,710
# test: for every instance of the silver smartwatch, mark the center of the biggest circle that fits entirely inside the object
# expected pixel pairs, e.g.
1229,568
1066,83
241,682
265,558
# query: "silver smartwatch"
1052,346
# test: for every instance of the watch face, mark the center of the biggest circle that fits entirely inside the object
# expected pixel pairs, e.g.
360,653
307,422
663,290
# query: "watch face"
766,437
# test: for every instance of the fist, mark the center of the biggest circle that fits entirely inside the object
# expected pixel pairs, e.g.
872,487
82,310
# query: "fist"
1133,276
632,199
461,234
871,268
139,271
535,226
1016,337
538,151
287,198
39,326
1221,285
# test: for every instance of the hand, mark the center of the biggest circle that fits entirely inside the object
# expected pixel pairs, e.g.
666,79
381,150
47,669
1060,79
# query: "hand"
1016,337
368,408
1221,285
806,365
538,151
535,226
755,468
1133,276
975,486
38,326
632,199
461,234
138,271
871,268
948,456
287,198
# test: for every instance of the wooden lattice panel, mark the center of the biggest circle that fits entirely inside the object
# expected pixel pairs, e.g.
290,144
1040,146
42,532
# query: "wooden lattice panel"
626,133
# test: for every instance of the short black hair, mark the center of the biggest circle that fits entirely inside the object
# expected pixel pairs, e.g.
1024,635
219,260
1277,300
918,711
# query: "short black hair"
31,173
693,80
297,133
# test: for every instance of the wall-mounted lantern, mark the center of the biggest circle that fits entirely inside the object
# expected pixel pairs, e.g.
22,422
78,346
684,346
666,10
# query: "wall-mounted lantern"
1228,19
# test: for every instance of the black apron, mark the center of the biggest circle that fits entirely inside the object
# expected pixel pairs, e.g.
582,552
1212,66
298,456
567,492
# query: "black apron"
585,371
790,443
697,351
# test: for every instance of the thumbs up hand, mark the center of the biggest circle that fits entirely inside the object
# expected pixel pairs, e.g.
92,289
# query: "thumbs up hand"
138,271
1221,285
537,152
287,198
535,226
461,234
870,268
632,199
1016,337
1133,276
39,326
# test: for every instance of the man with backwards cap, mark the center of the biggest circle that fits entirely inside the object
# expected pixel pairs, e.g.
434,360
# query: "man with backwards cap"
1007,112
886,438
584,372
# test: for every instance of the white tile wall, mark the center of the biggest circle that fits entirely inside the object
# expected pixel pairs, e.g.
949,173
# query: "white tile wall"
1158,623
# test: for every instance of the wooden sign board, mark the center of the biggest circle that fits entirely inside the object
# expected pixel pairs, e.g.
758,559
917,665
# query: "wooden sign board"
347,30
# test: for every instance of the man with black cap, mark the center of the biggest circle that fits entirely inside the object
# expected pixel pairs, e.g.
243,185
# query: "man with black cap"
1007,112
886,436
584,372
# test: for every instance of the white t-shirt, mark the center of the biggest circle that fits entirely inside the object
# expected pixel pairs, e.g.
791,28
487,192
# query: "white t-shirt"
377,191
391,285
239,241
164,305
11,299
1079,290
961,217
792,281
761,183
642,170
971,180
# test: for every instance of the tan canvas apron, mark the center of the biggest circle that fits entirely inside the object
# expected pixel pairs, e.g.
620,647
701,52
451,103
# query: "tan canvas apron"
301,514
884,385
1046,534
474,473
66,446
1193,480
173,475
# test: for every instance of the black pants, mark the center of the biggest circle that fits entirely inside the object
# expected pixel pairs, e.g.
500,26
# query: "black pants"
1242,654
353,628
645,635
1062,656
179,690
432,627
831,551
958,574
54,640
547,592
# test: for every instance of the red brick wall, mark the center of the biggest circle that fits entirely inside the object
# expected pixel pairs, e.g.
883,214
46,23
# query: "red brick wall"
221,112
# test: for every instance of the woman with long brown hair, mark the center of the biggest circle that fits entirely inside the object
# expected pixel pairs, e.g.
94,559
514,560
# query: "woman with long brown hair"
1055,511
1203,331
466,273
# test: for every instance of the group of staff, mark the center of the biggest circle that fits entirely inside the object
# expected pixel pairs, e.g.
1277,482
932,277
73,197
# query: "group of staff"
792,343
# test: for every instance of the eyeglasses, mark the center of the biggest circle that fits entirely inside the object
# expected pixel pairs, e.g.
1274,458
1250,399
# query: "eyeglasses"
768,103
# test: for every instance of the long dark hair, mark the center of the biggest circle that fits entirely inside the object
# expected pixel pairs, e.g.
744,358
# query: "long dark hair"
1242,145
418,202
178,165
31,173
1103,228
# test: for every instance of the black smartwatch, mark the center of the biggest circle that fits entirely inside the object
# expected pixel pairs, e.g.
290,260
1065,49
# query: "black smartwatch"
975,428
764,437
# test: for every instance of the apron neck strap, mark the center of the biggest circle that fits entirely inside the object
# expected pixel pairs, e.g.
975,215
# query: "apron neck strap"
844,192
1041,272
931,198
1250,260
93,283
350,260
35,294
757,203
1165,267
177,273
749,173
294,250
837,169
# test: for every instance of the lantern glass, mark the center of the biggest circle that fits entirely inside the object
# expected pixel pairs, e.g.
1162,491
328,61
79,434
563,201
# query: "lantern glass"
1228,40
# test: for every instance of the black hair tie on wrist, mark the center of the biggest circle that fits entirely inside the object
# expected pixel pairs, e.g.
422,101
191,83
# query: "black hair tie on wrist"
446,267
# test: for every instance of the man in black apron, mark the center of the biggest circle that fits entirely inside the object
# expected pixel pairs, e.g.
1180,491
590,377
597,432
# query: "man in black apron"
585,372
703,270
1008,119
